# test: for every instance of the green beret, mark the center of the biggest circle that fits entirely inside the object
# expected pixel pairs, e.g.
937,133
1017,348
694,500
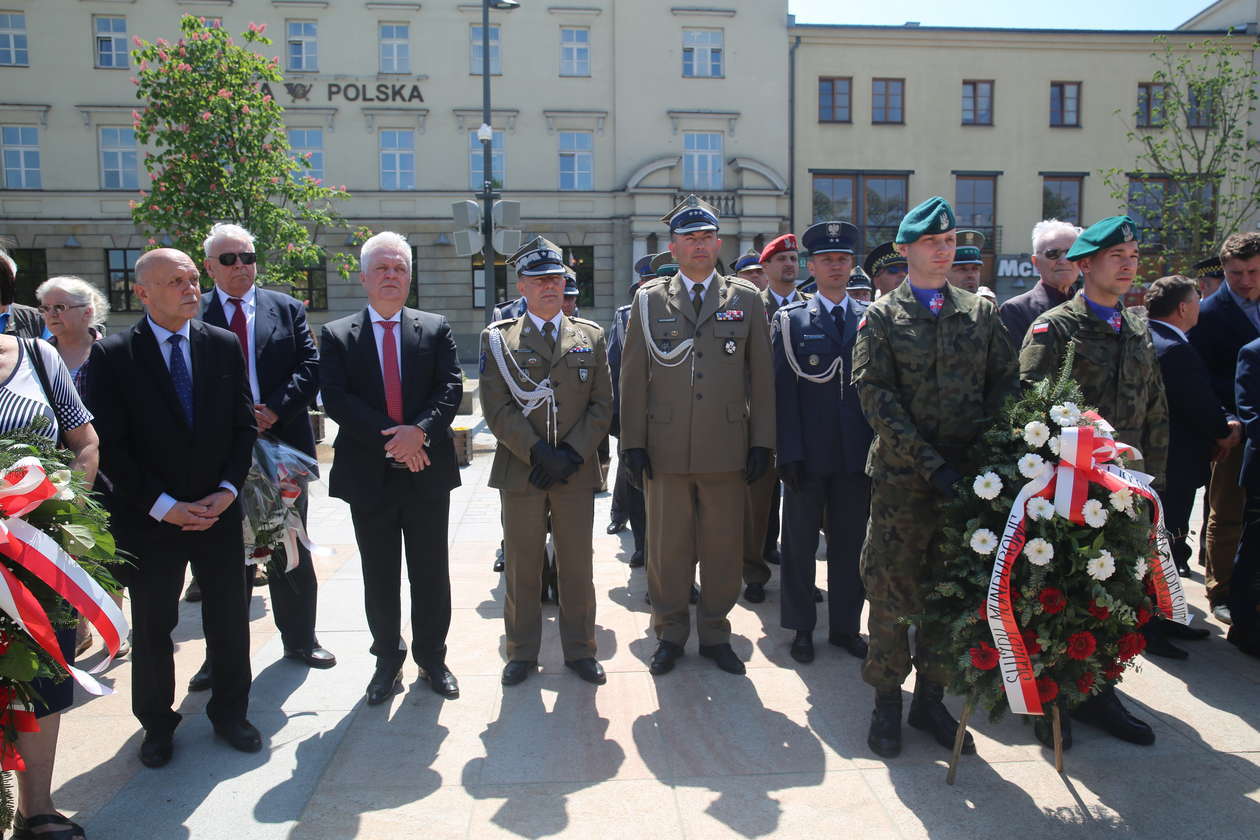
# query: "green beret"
1111,231
931,217
968,250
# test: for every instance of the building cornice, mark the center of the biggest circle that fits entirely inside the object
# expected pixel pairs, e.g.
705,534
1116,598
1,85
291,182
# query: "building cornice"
24,111
586,118
395,117
677,115
469,118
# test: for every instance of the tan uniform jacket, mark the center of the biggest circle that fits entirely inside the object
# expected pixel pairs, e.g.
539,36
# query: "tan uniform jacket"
578,371
700,416
772,303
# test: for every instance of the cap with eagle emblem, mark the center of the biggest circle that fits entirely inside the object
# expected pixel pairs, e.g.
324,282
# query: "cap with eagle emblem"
1104,234
931,217
970,243
691,215
538,258
830,237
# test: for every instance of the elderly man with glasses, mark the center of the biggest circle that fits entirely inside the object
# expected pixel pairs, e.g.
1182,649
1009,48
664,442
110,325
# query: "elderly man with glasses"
1051,240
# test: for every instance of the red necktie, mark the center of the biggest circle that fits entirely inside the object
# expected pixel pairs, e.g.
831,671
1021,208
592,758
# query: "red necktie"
393,382
239,327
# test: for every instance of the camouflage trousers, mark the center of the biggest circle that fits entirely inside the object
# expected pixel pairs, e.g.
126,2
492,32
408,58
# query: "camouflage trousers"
901,544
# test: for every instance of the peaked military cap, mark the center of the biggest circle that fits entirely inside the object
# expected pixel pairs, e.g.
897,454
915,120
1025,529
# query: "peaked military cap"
968,251
538,258
691,215
750,260
834,237
664,265
858,279
643,267
570,282
1111,231
780,245
880,257
931,217
1210,267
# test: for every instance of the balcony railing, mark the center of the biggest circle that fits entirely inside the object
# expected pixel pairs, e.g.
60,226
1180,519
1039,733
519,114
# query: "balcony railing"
727,203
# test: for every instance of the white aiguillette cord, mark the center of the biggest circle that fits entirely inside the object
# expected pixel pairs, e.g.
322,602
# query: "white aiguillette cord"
789,350
672,358
542,393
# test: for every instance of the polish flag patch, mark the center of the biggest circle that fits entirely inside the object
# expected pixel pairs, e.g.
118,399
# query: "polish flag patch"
1038,329
862,323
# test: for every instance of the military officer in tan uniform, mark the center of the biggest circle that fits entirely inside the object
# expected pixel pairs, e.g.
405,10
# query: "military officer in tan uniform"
547,397
697,427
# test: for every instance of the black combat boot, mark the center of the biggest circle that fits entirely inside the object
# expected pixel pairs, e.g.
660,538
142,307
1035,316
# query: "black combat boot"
928,713
884,738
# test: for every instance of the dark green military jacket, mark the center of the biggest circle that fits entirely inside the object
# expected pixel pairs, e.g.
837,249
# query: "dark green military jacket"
929,385
1118,373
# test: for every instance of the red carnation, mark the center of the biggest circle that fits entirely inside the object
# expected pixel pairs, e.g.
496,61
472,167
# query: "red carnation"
1085,682
1081,645
1052,600
1143,616
1131,644
1047,689
1112,671
982,613
1030,641
984,657
1098,611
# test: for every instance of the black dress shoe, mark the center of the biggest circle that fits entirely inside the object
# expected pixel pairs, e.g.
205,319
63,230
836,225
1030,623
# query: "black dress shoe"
498,563
666,656
315,657
616,526
1107,713
773,557
755,593
517,671
385,682
242,735
802,649
851,642
1157,644
636,560
200,681
442,681
588,669
884,737
818,596
928,713
1043,728
193,593
1183,569
695,594
1177,630
724,656
156,749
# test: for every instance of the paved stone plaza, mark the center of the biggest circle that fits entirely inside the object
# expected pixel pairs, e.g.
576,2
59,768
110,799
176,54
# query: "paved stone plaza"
696,753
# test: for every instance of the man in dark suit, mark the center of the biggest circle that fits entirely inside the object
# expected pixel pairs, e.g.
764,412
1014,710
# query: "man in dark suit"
16,319
391,381
1244,596
1056,275
283,367
172,408
1227,320
823,439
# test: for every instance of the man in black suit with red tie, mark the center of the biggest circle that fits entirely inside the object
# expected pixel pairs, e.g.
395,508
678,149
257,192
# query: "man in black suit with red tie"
282,364
391,381
173,411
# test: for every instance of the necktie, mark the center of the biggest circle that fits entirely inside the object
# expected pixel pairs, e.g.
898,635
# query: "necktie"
239,327
389,366
837,317
180,377
549,335
697,296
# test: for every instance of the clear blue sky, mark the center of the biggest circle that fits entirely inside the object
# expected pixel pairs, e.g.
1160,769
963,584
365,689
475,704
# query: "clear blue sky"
1056,14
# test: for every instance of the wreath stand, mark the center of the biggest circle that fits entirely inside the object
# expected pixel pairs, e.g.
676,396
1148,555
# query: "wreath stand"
961,734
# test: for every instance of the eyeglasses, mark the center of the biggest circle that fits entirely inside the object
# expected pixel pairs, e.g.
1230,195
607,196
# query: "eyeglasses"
59,308
1054,254
246,258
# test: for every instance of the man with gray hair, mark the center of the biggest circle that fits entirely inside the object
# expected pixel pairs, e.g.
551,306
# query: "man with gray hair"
391,381
1051,240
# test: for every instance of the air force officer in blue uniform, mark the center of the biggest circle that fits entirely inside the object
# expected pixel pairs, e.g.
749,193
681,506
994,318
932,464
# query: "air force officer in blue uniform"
822,443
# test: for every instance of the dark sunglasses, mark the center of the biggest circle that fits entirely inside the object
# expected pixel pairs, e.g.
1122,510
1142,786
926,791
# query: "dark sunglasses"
246,258
1053,254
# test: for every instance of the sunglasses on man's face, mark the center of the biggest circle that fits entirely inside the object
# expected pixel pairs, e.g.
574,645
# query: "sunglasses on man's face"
246,258
1054,254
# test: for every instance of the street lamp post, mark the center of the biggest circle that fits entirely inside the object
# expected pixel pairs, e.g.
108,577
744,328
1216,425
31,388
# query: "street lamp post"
486,135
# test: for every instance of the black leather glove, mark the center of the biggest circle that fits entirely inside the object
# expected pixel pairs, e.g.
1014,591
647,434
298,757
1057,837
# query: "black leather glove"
552,460
614,428
540,479
945,480
639,466
792,474
758,463
575,460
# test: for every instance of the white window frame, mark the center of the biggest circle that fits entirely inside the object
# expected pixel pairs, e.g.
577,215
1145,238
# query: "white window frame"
581,162
575,51
118,158
702,49
109,45
306,60
397,162
703,161
498,159
14,49
395,49
303,136
474,50
22,150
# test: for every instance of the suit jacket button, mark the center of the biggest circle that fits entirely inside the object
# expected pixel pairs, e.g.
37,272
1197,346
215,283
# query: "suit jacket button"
699,375
699,396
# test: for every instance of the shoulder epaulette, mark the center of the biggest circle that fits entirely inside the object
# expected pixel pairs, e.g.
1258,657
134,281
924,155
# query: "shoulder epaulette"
746,284
652,284
796,304
501,323
588,322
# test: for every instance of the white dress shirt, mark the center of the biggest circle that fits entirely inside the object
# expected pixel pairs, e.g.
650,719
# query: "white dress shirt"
826,303
249,304
689,284
539,322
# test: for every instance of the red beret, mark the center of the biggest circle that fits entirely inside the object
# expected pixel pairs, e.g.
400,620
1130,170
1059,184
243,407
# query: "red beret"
784,243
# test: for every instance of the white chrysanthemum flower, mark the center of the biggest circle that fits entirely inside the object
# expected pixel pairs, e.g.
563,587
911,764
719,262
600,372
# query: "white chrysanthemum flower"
983,541
1036,434
1139,569
1095,516
1101,567
1031,465
987,486
1054,444
1039,552
1122,499
61,480
1067,415
1039,508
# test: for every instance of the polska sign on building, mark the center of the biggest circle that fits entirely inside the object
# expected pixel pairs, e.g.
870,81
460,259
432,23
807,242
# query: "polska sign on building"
350,92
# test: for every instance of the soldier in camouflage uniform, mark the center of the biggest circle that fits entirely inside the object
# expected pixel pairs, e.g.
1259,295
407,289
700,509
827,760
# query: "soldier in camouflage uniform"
1116,367
926,411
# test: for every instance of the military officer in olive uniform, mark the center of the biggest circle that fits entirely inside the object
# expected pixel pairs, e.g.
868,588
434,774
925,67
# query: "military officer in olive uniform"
697,427
822,444
1116,366
927,410
965,272
748,267
886,268
547,397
